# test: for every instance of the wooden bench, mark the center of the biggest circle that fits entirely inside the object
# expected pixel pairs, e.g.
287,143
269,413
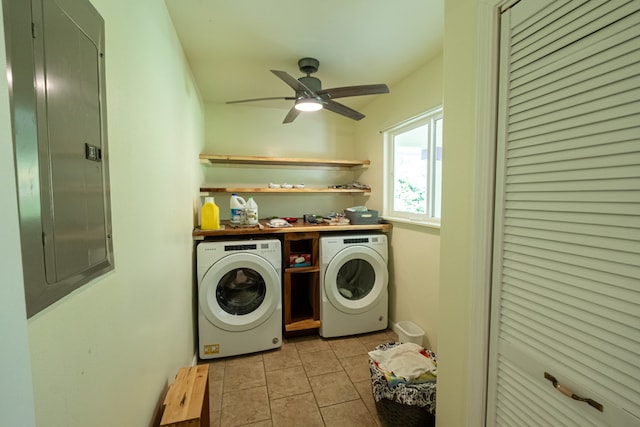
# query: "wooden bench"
187,401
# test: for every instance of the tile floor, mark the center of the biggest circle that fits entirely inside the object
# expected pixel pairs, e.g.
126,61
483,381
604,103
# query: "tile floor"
309,381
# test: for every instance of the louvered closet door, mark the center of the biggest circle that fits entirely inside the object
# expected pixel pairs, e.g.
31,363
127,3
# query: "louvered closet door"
566,277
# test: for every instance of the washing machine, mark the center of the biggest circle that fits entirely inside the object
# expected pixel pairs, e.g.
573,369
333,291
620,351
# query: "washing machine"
239,297
353,282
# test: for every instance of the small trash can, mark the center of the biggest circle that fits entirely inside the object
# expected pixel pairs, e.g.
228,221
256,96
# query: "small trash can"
410,332
406,405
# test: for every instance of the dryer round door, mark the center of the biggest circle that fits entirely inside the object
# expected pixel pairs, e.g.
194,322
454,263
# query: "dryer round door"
355,278
239,292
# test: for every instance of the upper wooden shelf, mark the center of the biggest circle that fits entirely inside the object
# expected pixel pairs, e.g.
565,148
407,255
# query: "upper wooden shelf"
283,161
207,189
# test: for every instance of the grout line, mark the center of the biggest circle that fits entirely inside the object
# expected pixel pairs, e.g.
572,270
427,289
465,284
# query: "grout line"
340,363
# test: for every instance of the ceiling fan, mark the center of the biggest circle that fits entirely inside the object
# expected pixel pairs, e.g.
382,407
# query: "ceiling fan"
309,95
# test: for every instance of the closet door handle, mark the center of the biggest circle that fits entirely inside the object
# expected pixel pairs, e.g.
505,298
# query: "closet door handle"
567,392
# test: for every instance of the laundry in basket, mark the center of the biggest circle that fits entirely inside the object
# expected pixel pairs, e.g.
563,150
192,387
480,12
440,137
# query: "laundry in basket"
405,363
404,403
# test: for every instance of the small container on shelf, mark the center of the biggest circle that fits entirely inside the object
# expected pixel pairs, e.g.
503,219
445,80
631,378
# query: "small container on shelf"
299,260
362,217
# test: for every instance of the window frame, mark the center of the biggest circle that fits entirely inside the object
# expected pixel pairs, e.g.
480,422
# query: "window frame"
389,213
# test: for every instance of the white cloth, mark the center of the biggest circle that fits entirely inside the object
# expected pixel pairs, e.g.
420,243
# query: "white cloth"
404,360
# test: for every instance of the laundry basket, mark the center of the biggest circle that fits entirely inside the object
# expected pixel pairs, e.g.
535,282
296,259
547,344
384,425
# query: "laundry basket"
405,404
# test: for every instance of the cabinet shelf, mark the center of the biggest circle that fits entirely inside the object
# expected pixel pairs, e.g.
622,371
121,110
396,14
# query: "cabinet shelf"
301,292
302,325
294,270
283,161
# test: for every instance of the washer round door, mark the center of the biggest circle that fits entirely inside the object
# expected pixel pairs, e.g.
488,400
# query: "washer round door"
239,292
355,278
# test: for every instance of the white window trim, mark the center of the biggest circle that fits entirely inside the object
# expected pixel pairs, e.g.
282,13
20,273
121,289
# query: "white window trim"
417,222
388,214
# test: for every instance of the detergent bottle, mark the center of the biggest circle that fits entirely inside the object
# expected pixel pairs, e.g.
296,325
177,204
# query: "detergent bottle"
251,211
236,204
210,215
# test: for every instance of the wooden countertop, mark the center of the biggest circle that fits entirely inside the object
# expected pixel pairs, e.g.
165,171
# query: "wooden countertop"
298,227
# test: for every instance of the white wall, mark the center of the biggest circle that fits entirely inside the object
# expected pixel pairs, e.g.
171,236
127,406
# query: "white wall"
415,250
104,355
16,393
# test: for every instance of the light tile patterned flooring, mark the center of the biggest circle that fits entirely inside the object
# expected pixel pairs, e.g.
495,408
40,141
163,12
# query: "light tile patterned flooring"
309,381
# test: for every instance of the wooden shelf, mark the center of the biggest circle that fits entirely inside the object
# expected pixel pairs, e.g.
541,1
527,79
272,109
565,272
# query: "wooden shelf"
302,325
283,161
284,190
297,227
295,270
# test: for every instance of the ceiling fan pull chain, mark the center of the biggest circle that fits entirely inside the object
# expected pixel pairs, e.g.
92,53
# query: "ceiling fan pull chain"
567,392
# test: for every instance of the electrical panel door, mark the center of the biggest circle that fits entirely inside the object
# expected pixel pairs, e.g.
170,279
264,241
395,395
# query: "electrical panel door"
61,85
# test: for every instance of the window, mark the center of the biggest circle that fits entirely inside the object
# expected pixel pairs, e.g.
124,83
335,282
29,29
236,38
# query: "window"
413,187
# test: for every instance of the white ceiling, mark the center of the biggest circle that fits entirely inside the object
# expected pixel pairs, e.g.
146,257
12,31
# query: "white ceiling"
232,44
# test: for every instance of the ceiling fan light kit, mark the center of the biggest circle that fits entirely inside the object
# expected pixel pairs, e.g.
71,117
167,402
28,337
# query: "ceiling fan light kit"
309,95
305,104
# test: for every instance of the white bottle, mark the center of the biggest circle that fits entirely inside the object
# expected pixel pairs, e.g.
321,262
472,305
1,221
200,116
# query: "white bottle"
236,204
251,210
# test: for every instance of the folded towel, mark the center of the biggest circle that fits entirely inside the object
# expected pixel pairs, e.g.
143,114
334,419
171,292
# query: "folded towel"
394,380
408,360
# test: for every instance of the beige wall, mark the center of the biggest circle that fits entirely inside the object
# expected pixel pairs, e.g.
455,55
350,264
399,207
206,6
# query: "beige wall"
103,355
16,393
111,347
458,213
256,129
250,129
414,250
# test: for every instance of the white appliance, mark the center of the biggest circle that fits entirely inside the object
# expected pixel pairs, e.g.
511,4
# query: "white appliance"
353,282
239,297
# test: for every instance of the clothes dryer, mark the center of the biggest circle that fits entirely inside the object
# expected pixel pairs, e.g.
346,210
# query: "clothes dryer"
353,282
239,297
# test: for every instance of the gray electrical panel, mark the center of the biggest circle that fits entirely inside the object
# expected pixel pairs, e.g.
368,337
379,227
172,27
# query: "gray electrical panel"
55,52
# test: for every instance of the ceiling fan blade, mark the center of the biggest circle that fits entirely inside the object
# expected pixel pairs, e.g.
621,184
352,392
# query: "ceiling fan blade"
336,107
288,98
293,82
291,115
341,92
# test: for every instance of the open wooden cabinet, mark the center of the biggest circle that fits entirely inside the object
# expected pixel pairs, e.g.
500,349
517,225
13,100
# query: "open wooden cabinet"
301,283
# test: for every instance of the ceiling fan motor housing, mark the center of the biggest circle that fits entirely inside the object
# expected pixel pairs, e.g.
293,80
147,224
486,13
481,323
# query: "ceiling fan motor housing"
311,82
